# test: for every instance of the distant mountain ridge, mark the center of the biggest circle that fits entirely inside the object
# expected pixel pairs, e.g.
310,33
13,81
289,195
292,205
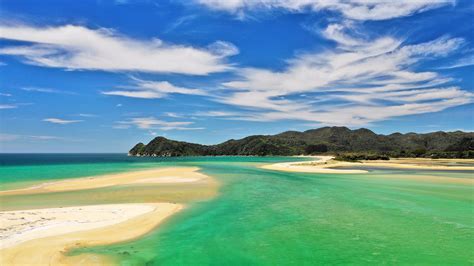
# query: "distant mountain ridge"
332,140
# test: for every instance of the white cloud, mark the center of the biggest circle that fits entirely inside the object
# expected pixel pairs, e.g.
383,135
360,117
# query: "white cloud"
87,115
43,137
76,47
60,121
121,126
135,94
224,49
180,128
180,22
5,94
154,90
218,114
12,137
361,81
174,115
352,9
8,106
153,123
462,62
45,90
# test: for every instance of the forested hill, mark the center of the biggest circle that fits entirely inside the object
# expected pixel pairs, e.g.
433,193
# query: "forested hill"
331,140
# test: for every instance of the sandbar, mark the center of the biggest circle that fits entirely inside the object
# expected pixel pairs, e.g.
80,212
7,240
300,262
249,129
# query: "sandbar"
327,164
44,236
323,165
153,176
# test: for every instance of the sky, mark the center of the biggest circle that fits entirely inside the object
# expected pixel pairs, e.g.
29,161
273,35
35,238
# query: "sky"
100,76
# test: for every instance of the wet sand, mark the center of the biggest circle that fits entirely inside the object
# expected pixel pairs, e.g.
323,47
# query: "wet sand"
44,236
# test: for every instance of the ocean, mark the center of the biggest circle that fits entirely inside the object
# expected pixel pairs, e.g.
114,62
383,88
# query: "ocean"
264,217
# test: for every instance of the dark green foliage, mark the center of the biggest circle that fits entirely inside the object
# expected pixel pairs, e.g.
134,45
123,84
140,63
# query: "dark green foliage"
137,149
316,149
353,157
335,140
463,144
161,146
419,152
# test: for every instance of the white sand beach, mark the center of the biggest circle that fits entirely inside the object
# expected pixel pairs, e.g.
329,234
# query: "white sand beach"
152,176
43,236
324,164
327,164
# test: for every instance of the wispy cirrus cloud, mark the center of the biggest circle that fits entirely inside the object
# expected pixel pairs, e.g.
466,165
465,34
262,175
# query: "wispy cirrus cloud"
360,81
462,62
134,94
12,137
218,113
61,121
173,115
87,115
352,9
46,90
77,47
153,90
8,106
183,20
153,123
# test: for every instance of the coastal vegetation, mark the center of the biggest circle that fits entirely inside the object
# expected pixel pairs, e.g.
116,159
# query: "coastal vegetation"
354,157
346,144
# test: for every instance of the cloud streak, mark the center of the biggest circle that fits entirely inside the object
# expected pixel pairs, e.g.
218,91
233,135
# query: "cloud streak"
351,9
361,81
154,90
153,123
8,106
61,121
462,62
13,137
46,90
78,48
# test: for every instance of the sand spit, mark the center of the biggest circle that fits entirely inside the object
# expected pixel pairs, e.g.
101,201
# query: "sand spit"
43,236
153,176
327,164
323,165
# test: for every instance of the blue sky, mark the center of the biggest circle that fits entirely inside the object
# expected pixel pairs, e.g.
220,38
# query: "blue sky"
99,76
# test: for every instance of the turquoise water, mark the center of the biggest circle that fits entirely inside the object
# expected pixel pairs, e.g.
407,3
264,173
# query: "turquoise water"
16,170
263,217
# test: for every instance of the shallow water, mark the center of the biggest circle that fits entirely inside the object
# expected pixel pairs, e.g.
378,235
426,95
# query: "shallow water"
264,217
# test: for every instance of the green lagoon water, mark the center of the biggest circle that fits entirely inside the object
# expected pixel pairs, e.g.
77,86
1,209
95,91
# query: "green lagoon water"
264,217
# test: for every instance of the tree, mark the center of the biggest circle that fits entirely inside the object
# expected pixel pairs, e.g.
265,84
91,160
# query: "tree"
316,148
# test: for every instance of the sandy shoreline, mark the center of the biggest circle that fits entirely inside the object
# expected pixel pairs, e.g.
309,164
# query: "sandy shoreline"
153,176
323,165
43,236
327,164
